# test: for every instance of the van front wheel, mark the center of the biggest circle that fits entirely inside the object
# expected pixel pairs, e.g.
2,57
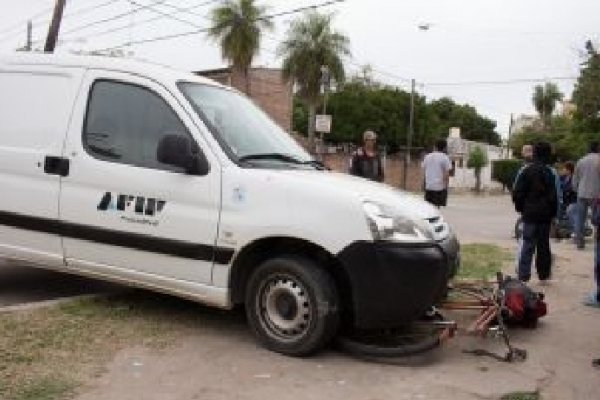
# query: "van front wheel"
292,305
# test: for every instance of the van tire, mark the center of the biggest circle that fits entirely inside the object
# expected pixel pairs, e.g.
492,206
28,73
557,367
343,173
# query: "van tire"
292,305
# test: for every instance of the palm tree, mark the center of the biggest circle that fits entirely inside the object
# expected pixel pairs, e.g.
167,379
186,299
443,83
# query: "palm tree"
311,45
237,26
544,100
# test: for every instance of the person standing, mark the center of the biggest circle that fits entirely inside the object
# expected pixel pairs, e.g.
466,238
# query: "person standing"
436,166
593,299
366,161
586,182
569,195
536,196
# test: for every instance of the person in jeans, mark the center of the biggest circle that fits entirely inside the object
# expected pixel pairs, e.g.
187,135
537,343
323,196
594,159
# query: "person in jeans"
536,196
586,182
593,299
569,195
366,161
437,166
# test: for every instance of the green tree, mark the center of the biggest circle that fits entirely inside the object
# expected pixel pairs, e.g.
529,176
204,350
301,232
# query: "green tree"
544,100
505,171
311,44
362,105
586,95
237,26
477,160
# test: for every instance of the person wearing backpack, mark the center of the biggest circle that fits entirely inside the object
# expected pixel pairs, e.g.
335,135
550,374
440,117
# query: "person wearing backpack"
536,195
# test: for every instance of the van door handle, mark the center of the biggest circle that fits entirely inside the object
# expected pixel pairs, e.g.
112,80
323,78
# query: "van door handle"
56,165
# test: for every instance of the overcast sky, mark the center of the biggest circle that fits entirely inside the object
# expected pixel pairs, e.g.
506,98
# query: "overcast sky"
470,43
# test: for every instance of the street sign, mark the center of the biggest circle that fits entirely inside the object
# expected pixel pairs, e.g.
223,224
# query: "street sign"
323,123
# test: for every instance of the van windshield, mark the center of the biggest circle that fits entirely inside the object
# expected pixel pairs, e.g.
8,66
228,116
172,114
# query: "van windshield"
245,131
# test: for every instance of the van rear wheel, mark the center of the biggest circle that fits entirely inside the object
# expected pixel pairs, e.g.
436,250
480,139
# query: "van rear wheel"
292,305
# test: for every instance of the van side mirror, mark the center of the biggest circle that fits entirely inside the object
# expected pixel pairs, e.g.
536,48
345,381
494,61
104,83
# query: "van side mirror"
179,151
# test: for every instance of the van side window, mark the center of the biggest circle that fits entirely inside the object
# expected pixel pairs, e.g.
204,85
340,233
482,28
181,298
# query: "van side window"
125,123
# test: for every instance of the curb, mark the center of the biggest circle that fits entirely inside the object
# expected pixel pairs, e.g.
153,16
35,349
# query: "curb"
47,303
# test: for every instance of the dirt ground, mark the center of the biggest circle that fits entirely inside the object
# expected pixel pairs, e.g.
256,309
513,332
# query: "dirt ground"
222,361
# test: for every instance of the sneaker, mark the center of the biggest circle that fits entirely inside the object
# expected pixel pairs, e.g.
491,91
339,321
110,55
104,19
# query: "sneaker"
596,363
592,301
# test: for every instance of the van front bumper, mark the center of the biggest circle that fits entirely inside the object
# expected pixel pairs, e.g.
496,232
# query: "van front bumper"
393,284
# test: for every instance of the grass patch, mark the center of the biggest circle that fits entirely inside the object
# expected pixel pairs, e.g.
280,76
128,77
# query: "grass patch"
46,354
522,396
482,261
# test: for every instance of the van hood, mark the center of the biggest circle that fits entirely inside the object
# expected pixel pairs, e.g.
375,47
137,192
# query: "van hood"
338,184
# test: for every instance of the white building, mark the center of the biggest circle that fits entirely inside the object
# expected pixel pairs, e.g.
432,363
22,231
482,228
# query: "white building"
459,150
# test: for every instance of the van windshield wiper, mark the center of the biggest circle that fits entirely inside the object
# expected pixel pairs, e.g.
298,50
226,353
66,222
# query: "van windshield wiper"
282,157
271,156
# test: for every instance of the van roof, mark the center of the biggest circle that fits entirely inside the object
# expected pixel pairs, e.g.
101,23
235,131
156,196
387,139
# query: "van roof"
143,68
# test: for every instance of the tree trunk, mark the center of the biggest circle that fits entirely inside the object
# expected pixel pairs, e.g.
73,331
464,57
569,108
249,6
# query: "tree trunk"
477,180
312,112
247,81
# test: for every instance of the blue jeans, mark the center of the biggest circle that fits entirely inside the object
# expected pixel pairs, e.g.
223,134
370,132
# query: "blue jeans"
597,264
571,212
580,219
535,240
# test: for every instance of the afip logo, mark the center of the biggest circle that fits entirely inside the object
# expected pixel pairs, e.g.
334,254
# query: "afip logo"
131,204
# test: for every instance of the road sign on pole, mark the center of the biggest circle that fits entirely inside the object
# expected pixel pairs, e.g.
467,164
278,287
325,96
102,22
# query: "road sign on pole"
323,123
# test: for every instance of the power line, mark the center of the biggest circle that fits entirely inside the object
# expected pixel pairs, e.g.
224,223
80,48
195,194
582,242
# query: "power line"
205,29
39,14
164,14
79,12
148,20
113,18
504,82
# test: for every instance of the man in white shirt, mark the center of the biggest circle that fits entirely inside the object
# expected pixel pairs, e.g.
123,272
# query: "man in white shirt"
437,166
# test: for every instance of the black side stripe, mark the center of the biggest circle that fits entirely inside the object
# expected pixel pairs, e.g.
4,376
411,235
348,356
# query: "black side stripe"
178,248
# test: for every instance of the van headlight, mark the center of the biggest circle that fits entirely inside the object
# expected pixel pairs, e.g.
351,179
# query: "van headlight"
385,224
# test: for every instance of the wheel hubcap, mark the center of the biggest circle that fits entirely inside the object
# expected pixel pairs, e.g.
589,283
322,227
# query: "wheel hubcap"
284,308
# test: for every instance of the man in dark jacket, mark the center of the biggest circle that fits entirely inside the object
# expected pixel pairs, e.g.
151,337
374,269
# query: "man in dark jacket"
366,161
535,196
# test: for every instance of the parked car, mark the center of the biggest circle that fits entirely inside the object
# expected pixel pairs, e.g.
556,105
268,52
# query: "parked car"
161,179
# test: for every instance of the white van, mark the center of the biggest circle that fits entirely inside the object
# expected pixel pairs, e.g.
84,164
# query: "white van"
156,178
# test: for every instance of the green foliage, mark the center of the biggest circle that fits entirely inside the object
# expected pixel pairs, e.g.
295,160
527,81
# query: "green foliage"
237,26
505,171
310,45
477,159
363,104
544,100
586,95
567,143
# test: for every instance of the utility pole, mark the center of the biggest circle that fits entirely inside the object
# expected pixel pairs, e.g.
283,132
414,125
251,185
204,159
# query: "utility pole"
510,129
411,129
29,42
52,37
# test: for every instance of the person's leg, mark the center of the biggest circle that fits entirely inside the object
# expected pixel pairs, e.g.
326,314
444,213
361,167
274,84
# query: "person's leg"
582,211
593,299
527,250
543,259
597,264
571,215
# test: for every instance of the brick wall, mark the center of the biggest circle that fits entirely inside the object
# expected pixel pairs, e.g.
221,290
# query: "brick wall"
393,170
